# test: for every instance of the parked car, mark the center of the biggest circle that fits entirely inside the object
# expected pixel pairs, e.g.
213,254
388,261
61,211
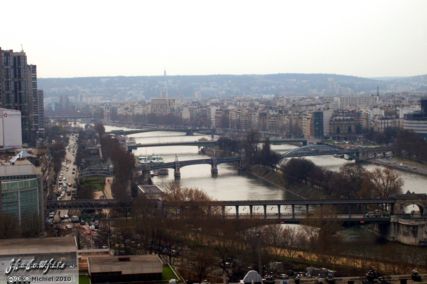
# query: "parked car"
75,219
377,214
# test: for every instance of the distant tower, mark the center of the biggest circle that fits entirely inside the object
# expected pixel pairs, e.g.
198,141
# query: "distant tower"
378,95
165,85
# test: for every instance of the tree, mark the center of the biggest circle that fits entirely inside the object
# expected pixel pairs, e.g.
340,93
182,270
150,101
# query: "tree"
386,183
323,237
200,261
355,176
250,146
57,152
123,164
100,129
297,170
228,145
174,192
268,157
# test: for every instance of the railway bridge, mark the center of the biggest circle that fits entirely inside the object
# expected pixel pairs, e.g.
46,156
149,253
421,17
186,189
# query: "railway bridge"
359,153
387,216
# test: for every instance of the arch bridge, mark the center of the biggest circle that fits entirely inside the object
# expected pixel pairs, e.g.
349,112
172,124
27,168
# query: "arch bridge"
359,154
177,165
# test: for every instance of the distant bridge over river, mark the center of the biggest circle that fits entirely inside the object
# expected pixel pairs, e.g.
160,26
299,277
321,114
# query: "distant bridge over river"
206,143
358,153
177,165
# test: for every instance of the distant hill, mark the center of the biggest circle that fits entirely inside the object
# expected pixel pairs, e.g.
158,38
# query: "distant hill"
289,84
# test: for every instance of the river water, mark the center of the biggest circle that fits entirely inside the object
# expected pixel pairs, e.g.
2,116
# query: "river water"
229,185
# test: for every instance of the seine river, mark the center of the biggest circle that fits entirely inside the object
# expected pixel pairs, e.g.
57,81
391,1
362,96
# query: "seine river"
229,185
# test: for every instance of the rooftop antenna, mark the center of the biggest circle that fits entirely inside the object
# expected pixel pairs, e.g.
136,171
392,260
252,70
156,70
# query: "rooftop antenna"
22,48
165,91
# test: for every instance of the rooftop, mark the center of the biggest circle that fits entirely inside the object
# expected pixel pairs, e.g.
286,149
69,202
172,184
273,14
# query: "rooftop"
126,265
37,246
20,167
150,189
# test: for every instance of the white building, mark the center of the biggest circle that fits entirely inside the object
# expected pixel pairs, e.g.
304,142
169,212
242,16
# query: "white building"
10,129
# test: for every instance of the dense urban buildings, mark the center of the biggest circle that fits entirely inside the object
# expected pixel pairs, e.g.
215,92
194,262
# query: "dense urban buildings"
314,118
18,90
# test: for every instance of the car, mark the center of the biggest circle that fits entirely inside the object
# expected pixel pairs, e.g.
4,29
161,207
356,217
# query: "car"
75,219
377,214
284,276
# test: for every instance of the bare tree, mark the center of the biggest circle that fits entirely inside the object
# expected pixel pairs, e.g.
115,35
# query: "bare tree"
386,183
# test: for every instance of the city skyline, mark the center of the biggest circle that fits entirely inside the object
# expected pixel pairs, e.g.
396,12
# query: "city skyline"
361,38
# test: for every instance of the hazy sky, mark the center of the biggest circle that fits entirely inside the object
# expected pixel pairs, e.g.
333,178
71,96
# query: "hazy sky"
103,38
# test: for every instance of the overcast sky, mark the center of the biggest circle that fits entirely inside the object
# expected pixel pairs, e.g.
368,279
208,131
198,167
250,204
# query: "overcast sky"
104,38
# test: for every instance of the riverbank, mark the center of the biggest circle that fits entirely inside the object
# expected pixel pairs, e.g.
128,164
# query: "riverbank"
402,165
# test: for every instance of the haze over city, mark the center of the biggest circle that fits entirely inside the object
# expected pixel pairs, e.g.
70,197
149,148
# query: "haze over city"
108,38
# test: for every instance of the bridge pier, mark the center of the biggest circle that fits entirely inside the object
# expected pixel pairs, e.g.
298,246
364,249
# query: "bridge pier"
223,211
306,210
265,211
214,170
240,170
251,210
237,211
177,173
404,230
278,211
293,211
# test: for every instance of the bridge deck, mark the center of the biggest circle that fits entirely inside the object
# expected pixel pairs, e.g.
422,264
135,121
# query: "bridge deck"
112,203
180,164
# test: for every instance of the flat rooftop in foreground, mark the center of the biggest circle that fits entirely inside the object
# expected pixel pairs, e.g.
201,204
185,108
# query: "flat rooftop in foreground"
37,246
131,264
